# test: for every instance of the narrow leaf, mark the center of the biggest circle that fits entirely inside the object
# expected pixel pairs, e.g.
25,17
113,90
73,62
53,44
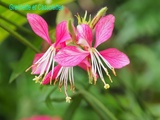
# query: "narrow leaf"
100,109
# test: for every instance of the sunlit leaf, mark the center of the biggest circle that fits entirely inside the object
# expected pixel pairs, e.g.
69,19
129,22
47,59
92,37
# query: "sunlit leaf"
13,16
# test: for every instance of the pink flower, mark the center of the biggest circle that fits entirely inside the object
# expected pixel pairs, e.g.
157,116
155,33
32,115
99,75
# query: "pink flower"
63,75
44,62
112,58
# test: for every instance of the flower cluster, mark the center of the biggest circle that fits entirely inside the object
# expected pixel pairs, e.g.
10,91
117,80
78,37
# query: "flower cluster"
76,46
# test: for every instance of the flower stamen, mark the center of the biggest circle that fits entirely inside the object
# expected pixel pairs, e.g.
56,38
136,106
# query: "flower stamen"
108,75
55,81
44,65
97,65
106,86
114,72
65,74
37,78
68,99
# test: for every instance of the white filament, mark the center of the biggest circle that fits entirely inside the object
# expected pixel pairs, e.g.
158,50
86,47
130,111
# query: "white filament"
97,65
65,74
46,62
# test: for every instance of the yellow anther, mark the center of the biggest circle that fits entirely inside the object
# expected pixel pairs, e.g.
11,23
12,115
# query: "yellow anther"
28,69
72,88
95,80
109,76
113,71
50,81
55,81
106,86
68,99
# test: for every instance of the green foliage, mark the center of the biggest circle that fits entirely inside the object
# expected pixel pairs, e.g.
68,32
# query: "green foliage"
137,18
24,62
20,16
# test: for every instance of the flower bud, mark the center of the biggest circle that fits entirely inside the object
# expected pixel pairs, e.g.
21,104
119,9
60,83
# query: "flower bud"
100,13
71,30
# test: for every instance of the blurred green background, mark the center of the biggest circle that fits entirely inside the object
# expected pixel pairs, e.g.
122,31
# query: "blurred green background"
135,92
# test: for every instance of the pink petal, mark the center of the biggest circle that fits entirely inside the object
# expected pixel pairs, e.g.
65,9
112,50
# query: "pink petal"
48,76
37,70
70,56
104,29
62,33
116,58
39,26
84,64
84,35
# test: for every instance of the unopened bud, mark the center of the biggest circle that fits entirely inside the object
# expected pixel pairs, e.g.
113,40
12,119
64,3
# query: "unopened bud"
100,13
71,30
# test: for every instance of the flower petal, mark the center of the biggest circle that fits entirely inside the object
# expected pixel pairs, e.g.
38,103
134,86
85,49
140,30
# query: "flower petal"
62,33
116,58
84,64
70,56
84,35
35,69
104,29
39,26
48,76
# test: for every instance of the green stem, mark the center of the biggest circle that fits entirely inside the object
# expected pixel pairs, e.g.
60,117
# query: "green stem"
100,109
19,37
7,6
19,27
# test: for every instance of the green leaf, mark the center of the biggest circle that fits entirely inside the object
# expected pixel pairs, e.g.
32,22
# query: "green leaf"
19,37
100,109
149,72
24,62
154,109
19,17
134,20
